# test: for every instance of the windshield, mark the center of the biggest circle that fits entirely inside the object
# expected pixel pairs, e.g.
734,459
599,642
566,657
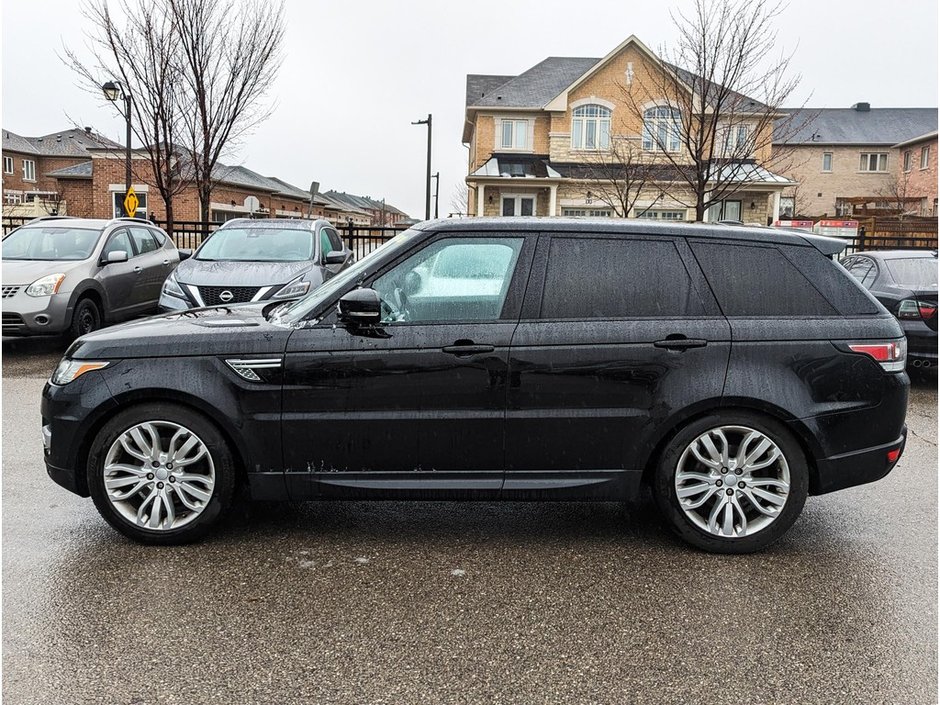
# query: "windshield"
50,243
914,273
258,244
298,310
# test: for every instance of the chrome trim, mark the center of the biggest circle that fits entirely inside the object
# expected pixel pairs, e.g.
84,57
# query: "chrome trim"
246,368
261,292
193,291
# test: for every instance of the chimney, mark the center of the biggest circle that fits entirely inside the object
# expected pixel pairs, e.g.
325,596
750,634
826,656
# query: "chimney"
87,130
862,107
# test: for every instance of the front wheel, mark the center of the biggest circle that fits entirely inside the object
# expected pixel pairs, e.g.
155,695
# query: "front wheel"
732,482
161,474
87,318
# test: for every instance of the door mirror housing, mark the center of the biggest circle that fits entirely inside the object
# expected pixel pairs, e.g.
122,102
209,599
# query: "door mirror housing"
184,253
334,257
360,307
115,256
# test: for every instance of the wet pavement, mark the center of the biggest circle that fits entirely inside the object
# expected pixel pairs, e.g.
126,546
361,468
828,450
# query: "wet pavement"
404,602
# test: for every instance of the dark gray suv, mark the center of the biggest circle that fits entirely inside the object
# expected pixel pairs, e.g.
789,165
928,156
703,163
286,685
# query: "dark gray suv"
257,260
73,275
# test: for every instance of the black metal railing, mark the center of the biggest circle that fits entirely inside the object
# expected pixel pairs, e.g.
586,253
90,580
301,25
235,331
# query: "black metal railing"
362,239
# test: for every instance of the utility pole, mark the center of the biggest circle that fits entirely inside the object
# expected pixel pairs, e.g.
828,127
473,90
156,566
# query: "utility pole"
437,189
427,197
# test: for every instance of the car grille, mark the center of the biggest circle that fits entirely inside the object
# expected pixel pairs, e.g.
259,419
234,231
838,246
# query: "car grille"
12,322
9,291
212,295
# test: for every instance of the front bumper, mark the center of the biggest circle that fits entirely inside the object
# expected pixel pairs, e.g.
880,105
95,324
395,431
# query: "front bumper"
859,467
36,315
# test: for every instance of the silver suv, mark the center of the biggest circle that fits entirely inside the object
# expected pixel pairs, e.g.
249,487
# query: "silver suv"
74,275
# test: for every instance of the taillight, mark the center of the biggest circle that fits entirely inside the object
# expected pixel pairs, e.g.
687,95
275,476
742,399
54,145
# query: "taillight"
891,355
912,310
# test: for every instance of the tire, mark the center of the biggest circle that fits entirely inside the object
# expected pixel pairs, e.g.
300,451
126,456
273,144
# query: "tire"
85,319
751,529
184,501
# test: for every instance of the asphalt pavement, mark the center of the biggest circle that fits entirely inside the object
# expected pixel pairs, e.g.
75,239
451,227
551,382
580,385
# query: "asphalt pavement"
406,602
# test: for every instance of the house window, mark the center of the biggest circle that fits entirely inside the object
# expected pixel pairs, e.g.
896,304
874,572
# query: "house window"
660,214
586,212
874,161
12,198
924,156
8,165
29,170
518,205
661,129
514,134
736,141
827,161
590,127
724,210
907,160
787,206
118,203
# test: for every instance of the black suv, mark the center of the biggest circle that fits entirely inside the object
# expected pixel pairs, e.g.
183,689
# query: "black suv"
733,370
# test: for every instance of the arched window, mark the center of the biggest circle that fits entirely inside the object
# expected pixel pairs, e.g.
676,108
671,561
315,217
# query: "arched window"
661,129
590,127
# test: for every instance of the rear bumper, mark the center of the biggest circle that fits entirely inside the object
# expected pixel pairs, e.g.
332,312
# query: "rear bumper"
858,467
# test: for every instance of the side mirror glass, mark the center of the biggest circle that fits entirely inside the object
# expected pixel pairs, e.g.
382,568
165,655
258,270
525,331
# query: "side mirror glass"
360,307
334,257
116,256
184,253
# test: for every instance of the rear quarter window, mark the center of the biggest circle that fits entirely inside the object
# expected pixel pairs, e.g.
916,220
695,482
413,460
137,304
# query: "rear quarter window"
751,280
849,295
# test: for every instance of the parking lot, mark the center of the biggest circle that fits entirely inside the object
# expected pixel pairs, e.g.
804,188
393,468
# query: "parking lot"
464,603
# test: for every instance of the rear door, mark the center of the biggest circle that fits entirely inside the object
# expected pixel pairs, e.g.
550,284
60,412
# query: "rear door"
618,334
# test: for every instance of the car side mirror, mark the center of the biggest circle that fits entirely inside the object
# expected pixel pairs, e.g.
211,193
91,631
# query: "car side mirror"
184,253
115,256
334,257
360,307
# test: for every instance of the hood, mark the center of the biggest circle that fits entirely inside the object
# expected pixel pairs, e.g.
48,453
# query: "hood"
222,330
23,272
220,273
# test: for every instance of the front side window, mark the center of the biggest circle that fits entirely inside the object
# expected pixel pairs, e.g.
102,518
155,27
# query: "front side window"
119,242
257,244
459,279
514,134
50,243
590,127
628,279
29,170
661,129
873,161
827,161
326,247
924,156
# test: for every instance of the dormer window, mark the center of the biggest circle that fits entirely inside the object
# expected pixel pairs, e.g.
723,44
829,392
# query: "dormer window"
661,129
590,127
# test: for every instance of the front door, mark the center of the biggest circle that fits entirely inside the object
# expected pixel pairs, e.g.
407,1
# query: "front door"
119,279
622,333
417,402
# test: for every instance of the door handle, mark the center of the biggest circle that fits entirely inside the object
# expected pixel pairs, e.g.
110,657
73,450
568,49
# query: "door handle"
166,261
680,343
461,349
138,270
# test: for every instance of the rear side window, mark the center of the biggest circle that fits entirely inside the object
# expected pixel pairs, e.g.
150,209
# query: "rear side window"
143,240
758,281
848,296
617,278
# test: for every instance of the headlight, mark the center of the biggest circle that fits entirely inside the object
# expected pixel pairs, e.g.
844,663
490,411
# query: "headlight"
46,286
172,288
70,370
293,289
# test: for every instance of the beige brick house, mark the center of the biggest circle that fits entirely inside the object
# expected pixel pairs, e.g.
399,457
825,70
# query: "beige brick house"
843,159
534,141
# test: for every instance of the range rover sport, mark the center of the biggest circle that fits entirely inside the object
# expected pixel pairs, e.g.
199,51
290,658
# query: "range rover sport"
733,370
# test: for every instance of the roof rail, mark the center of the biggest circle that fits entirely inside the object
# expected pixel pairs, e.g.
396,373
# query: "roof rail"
50,217
124,218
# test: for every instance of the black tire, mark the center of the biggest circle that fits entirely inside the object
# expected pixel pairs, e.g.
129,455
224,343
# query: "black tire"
664,484
216,445
85,319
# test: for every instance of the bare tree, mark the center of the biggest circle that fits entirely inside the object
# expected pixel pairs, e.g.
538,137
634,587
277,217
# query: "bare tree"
141,52
715,100
896,194
230,53
619,175
460,199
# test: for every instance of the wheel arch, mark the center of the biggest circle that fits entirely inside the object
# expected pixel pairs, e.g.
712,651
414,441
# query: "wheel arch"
88,289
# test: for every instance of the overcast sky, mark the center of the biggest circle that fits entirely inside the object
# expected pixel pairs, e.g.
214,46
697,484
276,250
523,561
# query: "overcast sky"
355,74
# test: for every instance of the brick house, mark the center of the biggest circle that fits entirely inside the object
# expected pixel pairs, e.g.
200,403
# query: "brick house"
28,190
380,213
845,158
533,141
917,172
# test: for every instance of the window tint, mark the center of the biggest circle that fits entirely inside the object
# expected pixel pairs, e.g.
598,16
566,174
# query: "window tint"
830,279
143,240
326,246
119,242
335,240
759,281
613,278
458,279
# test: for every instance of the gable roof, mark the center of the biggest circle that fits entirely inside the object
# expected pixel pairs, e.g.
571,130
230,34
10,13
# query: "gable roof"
879,126
536,87
362,202
82,170
66,143
918,138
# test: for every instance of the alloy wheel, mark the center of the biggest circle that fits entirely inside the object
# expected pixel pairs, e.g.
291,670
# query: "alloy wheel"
159,475
732,481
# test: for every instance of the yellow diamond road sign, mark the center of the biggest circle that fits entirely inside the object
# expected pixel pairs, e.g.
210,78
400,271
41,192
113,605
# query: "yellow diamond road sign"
130,203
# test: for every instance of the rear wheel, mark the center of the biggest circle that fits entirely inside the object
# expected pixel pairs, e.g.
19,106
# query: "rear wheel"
87,318
161,473
732,482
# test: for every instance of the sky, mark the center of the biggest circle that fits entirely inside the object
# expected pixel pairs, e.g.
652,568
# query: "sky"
355,74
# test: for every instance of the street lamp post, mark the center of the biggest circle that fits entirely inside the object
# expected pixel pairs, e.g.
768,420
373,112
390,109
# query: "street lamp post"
427,197
112,91
437,189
